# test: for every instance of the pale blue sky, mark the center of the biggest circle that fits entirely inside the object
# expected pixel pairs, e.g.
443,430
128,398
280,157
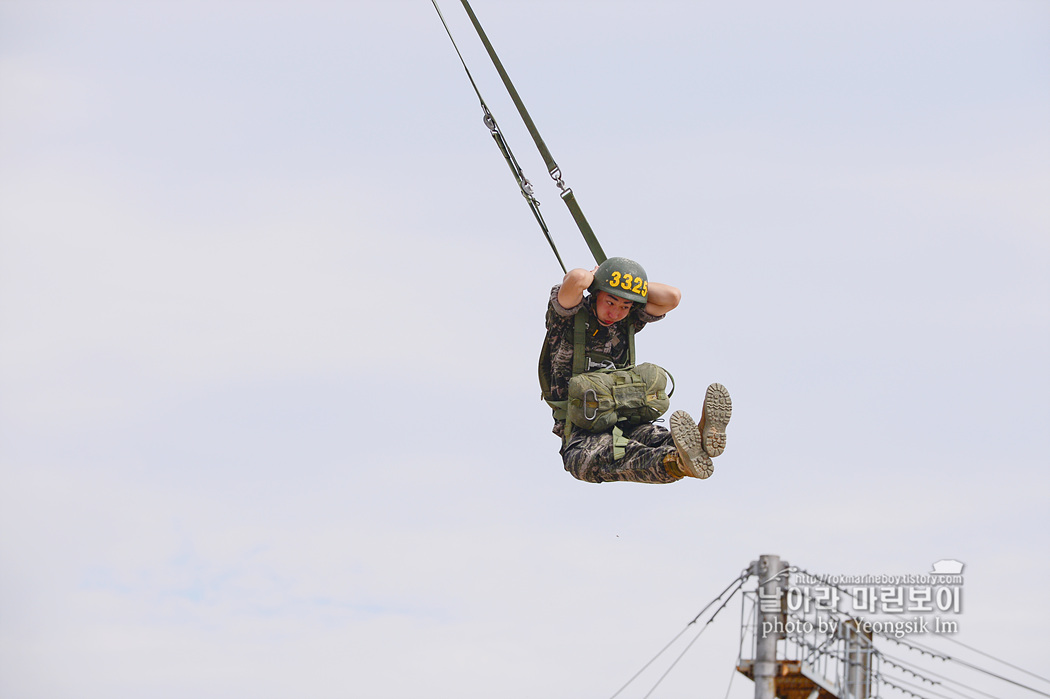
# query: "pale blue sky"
270,308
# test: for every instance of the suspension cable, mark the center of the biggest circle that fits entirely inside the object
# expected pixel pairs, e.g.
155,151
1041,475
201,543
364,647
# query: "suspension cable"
905,667
998,660
739,580
552,167
926,650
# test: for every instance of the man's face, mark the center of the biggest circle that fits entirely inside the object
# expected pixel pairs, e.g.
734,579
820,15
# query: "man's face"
611,309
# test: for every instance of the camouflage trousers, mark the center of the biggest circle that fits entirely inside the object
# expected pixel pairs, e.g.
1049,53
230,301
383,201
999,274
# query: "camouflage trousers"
589,455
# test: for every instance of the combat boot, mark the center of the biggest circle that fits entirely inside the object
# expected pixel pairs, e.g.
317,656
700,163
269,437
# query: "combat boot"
718,408
690,458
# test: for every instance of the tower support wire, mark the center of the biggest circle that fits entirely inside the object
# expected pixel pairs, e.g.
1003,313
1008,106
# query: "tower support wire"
738,583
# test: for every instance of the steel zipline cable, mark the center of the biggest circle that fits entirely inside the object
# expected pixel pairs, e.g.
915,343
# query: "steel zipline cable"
913,645
738,583
497,135
926,675
926,650
552,167
959,690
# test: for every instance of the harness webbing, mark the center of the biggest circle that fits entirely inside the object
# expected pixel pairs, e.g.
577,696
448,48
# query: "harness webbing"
579,366
548,159
552,167
497,135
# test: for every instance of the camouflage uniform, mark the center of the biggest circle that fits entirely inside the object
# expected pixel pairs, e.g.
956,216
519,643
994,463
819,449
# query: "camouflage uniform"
589,455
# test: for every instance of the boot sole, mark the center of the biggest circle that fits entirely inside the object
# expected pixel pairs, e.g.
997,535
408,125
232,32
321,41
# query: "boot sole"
690,446
718,408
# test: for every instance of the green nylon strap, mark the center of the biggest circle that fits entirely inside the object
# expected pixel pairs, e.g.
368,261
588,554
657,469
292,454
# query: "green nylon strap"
490,121
552,167
548,159
579,362
619,443
560,408
630,344
579,342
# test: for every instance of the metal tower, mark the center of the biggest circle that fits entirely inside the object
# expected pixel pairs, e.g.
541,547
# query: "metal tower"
801,648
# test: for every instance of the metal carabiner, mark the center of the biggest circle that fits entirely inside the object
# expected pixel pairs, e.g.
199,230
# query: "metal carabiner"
556,176
490,121
595,394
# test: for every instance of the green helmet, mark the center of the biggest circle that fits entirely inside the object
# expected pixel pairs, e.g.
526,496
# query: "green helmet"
621,277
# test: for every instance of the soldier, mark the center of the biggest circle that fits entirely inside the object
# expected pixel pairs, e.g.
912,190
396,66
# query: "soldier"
621,302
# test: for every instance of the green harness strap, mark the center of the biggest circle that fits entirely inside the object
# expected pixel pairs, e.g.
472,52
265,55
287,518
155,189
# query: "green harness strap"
552,167
585,228
490,121
580,328
579,342
579,366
